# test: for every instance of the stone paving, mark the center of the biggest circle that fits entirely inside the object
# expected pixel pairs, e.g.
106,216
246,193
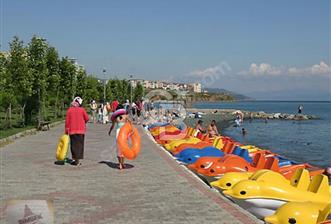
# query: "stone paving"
153,189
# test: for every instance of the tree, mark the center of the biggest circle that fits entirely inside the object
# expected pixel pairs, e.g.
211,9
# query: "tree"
7,96
67,81
3,74
118,89
81,83
37,50
53,79
91,89
20,79
111,90
138,92
125,90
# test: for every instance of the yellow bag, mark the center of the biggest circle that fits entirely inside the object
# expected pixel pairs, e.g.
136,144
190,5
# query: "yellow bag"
62,147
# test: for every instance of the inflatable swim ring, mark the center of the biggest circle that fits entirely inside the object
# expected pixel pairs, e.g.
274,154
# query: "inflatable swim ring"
126,132
117,113
62,147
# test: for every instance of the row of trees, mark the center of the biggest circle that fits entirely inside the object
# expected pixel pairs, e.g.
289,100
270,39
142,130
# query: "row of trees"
39,85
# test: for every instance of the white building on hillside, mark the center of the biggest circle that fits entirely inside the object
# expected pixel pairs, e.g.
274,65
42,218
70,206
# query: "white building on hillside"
148,84
197,87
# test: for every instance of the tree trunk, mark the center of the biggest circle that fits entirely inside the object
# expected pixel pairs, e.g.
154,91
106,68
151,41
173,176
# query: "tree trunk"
56,104
39,108
23,114
62,109
9,116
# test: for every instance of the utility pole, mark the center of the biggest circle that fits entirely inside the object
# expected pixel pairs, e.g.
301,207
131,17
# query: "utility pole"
131,84
104,85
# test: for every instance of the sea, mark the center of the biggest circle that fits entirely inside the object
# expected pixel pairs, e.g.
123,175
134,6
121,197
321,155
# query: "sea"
301,141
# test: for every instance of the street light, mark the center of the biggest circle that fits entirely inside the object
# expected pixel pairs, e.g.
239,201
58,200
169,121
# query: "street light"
131,83
104,85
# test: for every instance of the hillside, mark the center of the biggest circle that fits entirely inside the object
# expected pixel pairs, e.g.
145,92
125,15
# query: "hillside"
236,96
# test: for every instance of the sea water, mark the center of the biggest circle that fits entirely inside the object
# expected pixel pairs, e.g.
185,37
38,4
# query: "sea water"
301,141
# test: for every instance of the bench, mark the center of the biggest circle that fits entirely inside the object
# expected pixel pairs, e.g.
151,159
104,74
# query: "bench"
43,126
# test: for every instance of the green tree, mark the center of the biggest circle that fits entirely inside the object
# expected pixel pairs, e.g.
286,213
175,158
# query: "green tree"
3,73
20,79
53,79
118,89
111,93
67,81
91,90
138,92
7,96
37,50
125,90
81,83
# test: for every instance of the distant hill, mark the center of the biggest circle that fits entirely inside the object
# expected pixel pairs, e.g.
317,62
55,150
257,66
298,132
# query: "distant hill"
237,96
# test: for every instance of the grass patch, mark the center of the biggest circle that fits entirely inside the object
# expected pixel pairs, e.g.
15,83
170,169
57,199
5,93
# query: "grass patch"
12,131
4,133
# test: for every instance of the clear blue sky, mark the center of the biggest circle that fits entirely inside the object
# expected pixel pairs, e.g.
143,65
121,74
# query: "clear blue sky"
188,40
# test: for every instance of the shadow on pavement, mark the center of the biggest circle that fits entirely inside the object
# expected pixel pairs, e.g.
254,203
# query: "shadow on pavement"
115,165
59,163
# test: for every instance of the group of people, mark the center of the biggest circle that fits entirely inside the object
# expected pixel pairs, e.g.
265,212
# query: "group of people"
118,114
211,130
77,117
102,113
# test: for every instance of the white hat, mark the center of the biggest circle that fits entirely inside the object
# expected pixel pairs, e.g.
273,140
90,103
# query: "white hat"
78,100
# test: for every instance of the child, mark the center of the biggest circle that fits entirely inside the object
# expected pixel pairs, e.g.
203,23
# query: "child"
100,113
119,118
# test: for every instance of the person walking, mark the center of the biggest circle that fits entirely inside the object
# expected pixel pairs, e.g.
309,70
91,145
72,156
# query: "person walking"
127,105
119,118
105,114
134,111
114,105
100,113
75,127
94,108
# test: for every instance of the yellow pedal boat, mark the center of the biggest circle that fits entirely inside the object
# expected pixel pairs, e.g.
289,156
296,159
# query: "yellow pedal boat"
175,143
300,179
262,198
301,213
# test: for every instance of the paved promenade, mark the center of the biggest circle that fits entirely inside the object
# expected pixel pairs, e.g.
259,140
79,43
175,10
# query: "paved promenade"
153,188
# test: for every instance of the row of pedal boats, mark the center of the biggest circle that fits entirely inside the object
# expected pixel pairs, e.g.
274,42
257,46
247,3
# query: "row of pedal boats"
270,186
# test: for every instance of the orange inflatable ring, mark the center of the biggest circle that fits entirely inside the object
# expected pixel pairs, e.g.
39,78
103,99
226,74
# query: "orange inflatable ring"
126,132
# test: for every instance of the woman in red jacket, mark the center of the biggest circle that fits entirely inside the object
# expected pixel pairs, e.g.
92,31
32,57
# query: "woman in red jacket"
75,127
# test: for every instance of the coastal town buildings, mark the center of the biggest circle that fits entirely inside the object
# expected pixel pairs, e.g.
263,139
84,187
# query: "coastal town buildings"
151,84
197,87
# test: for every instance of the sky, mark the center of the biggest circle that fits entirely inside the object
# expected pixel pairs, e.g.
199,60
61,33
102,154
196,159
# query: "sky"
273,50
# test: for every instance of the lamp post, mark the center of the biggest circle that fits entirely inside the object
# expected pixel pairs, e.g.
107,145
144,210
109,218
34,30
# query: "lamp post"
131,84
104,85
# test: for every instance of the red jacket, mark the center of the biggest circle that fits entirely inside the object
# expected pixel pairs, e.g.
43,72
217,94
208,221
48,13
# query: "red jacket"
114,105
75,121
